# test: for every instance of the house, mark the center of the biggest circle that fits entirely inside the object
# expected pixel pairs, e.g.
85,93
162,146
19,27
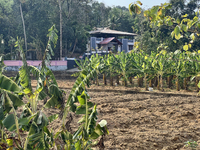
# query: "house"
106,39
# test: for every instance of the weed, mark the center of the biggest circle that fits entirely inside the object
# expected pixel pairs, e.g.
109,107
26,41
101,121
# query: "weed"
191,144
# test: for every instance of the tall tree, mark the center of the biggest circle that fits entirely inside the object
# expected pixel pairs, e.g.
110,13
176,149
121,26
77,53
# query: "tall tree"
60,10
22,16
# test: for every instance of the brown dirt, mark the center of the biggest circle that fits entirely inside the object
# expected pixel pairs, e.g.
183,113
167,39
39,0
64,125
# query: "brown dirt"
139,120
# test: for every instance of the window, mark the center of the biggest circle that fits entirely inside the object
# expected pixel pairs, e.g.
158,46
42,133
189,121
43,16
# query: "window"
130,47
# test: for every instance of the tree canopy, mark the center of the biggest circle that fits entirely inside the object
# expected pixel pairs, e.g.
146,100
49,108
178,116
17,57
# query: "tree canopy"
78,18
154,26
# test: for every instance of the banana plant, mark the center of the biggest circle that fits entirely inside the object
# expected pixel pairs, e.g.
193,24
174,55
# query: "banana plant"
32,120
81,65
140,63
111,68
178,66
123,66
105,70
78,102
143,67
195,68
189,63
89,129
161,65
99,58
10,100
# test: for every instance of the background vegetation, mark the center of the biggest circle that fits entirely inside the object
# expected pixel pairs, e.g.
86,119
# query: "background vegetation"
31,19
77,18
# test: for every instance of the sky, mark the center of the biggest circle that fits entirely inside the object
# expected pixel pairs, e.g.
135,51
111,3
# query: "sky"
146,3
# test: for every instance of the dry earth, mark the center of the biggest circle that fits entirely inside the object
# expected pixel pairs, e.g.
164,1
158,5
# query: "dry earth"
143,120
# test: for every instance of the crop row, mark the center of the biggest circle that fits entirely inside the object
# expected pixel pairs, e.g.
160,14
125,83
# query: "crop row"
150,70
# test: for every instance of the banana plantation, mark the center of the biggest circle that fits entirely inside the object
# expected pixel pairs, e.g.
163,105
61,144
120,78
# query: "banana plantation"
174,70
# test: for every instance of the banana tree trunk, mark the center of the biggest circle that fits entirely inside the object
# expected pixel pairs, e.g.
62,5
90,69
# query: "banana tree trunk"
145,82
111,80
155,81
131,80
150,83
158,86
181,82
117,80
161,83
97,80
185,84
177,84
93,80
196,83
169,81
125,82
104,79
140,81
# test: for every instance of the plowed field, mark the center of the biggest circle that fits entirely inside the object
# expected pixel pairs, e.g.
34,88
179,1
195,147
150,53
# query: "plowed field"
143,120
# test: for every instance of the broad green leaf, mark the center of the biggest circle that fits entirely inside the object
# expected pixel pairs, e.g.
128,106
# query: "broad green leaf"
170,23
179,36
82,98
17,102
41,119
24,77
8,84
82,109
177,30
42,95
24,121
78,145
184,27
38,140
131,8
95,135
9,122
52,102
178,21
54,90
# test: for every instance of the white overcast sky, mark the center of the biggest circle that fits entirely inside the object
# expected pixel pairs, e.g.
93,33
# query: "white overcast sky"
146,3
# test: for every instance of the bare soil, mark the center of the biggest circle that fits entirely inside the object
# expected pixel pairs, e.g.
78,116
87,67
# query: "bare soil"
140,120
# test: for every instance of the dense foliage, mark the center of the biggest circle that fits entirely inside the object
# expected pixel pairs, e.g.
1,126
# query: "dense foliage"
77,19
160,70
